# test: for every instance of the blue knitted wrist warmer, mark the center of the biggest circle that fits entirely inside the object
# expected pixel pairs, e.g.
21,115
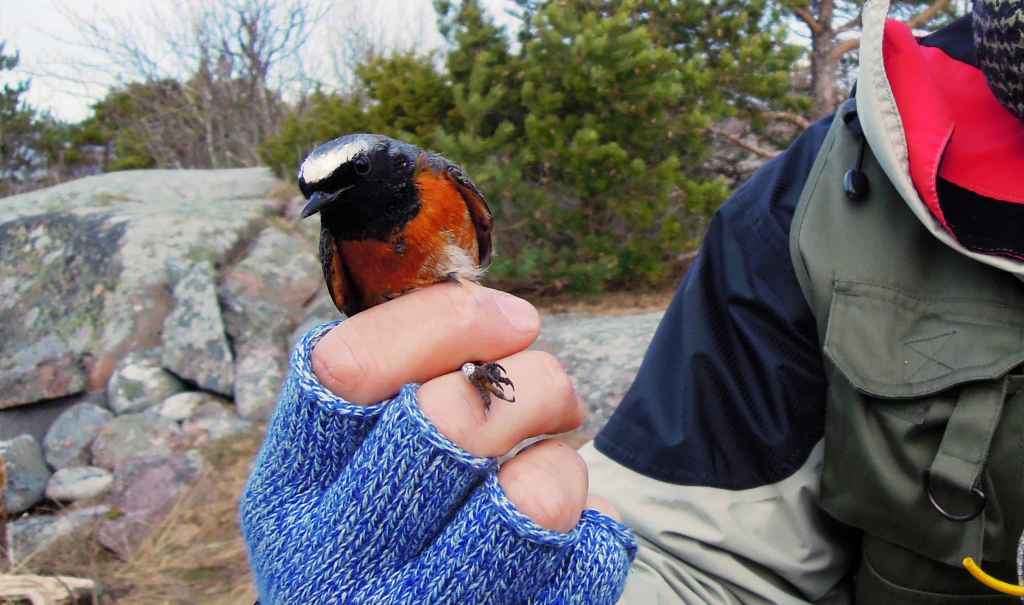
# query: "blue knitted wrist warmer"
371,504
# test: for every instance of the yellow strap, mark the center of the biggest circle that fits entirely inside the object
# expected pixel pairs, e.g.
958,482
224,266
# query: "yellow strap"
997,585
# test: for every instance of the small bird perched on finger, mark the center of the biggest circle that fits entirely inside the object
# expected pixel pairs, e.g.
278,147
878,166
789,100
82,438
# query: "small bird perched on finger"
394,218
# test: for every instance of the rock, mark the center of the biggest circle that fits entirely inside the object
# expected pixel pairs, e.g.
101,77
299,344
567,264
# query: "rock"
78,483
139,383
602,354
195,346
184,405
281,269
132,436
26,473
35,533
260,371
44,369
68,440
36,419
145,490
214,421
263,297
83,277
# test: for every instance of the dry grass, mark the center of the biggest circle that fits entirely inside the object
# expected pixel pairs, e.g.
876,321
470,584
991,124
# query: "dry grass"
196,555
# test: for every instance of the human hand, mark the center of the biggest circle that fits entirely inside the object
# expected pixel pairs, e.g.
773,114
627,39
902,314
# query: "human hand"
402,501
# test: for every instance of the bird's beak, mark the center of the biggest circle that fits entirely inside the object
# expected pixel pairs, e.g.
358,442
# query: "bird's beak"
320,199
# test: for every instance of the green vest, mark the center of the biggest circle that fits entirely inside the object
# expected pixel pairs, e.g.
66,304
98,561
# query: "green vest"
923,348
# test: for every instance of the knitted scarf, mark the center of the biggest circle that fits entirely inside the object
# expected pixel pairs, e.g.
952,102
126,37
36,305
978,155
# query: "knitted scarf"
999,40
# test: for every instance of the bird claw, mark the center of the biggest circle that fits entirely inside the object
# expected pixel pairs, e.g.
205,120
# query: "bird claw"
489,379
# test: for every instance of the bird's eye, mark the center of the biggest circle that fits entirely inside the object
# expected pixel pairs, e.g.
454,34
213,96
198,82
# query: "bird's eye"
362,165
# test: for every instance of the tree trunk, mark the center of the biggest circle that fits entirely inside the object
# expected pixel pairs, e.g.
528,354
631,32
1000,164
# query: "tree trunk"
824,68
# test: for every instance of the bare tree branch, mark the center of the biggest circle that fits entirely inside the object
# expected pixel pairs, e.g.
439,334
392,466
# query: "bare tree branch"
807,17
843,47
739,142
925,16
788,116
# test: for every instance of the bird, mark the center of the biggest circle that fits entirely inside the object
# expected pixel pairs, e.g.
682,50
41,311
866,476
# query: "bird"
395,218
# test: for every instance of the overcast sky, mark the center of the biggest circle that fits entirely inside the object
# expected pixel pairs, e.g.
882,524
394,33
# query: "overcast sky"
48,40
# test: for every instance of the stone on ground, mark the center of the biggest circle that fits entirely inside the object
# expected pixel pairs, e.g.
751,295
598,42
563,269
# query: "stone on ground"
138,383
132,436
27,473
79,483
68,440
145,490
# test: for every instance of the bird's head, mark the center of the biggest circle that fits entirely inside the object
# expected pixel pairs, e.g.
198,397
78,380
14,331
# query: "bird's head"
363,184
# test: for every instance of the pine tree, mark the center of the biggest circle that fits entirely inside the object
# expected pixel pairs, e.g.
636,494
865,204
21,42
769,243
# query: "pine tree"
17,156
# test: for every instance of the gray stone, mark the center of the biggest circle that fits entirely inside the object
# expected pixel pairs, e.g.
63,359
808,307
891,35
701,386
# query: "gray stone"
44,369
214,421
37,418
260,371
83,275
281,269
263,295
195,346
26,473
145,490
133,436
78,483
35,533
602,354
68,440
184,405
139,383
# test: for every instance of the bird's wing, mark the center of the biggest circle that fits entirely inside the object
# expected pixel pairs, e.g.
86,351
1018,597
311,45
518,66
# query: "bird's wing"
478,211
339,283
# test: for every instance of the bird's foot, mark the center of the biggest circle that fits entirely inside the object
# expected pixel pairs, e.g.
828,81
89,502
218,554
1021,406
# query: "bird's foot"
489,379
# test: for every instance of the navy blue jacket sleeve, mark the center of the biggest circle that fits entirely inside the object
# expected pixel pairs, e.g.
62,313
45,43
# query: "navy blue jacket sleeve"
731,390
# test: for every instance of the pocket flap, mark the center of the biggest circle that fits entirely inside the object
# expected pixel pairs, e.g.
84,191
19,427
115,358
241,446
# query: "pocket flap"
893,345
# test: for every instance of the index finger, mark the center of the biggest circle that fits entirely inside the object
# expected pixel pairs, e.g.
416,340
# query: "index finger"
419,336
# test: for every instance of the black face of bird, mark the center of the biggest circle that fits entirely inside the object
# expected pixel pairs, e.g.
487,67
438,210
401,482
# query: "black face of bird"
361,184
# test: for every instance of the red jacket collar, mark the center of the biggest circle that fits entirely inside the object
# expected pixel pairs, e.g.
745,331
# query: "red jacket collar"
954,126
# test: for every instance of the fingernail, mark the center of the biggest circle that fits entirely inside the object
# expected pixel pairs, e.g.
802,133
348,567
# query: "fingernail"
521,314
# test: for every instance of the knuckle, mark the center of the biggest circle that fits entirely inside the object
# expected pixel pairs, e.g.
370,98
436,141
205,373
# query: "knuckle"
337,367
455,409
558,379
465,308
549,487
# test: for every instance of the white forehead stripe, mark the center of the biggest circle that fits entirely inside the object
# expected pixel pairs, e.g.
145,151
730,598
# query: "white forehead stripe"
320,166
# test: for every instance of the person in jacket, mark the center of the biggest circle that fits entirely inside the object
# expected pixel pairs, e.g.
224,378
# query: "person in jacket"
830,411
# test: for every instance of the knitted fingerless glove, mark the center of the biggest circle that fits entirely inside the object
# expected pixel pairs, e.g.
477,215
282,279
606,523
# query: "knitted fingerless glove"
371,504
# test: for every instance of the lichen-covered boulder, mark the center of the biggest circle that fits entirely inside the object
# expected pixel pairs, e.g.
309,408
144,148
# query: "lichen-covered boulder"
260,371
83,267
139,383
44,369
68,440
26,473
195,346
133,436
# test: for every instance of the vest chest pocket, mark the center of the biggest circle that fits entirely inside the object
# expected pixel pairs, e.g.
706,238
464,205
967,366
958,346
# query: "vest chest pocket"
921,386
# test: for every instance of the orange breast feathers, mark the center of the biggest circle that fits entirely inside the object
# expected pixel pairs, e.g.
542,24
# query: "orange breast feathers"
439,240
